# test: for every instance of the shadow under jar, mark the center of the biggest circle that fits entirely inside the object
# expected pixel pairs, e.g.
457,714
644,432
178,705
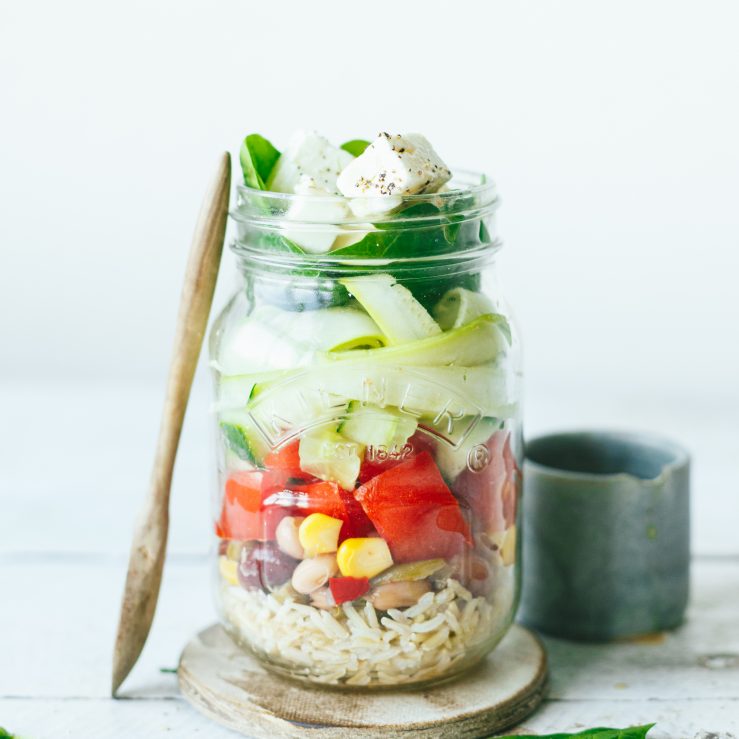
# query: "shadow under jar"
369,440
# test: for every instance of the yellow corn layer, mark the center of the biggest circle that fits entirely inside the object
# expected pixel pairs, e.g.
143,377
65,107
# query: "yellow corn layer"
319,534
227,567
508,550
363,557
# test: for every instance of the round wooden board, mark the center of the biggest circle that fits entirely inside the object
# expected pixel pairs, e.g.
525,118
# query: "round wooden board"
231,687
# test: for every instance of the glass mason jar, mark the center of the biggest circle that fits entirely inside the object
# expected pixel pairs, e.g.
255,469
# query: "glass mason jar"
369,438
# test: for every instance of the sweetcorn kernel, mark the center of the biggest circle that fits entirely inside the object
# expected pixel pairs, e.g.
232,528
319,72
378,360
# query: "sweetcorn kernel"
508,549
228,567
364,557
319,534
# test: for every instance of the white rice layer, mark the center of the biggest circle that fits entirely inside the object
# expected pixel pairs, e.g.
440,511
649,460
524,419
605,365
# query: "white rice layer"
360,646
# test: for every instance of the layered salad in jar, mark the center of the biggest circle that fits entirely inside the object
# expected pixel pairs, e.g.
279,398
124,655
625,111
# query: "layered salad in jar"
367,418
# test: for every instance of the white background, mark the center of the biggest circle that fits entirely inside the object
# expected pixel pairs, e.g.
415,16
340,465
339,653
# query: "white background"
611,128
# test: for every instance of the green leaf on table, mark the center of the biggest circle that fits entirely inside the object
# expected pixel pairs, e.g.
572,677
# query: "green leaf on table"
355,147
5,734
258,157
633,732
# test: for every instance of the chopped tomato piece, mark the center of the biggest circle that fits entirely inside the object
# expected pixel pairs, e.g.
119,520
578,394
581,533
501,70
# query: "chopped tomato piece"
286,458
414,511
375,463
319,497
244,516
345,589
356,525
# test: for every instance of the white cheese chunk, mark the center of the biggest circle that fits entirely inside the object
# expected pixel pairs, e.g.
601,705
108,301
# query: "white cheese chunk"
308,154
365,207
351,234
394,165
320,210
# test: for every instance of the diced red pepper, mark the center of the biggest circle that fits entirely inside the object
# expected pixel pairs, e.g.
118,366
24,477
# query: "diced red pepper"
319,497
244,516
491,493
345,589
414,511
286,459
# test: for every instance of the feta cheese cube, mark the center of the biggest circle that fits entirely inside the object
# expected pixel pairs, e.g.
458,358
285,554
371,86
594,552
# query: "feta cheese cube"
309,154
394,165
320,210
365,207
351,234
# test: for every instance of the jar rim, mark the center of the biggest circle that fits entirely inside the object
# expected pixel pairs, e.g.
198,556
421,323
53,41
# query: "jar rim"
464,259
477,185
267,219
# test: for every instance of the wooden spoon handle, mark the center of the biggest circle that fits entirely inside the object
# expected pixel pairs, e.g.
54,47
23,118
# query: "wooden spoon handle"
150,537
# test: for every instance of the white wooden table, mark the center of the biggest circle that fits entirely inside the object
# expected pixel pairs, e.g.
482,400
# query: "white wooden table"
73,467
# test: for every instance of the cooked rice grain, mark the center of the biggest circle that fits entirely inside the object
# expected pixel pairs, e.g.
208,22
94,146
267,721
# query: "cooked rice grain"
357,646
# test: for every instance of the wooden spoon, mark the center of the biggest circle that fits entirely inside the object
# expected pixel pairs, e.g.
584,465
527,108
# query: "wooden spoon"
150,536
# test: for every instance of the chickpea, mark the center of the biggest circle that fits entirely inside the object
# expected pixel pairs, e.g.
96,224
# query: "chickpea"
322,598
311,574
286,534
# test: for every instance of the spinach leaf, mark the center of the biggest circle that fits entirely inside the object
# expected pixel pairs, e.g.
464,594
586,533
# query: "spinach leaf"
275,242
258,157
633,732
355,147
441,234
394,241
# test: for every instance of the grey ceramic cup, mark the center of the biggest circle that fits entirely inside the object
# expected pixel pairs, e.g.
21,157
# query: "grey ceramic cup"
606,535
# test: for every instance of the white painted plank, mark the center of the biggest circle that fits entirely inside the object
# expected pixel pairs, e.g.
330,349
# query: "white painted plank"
61,644
75,463
107,719
679,664
56,638
675,719
57,625
157,718
74,460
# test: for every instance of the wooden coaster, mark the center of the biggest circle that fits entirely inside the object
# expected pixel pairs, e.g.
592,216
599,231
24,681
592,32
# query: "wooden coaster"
231,687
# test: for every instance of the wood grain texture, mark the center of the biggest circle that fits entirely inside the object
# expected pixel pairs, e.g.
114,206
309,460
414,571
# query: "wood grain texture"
231,687
150,536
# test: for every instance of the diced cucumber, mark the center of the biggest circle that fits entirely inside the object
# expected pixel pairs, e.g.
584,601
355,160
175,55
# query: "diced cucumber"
242,438
452,460
371,425
271,338
459,306
393,308
475,343
328,455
